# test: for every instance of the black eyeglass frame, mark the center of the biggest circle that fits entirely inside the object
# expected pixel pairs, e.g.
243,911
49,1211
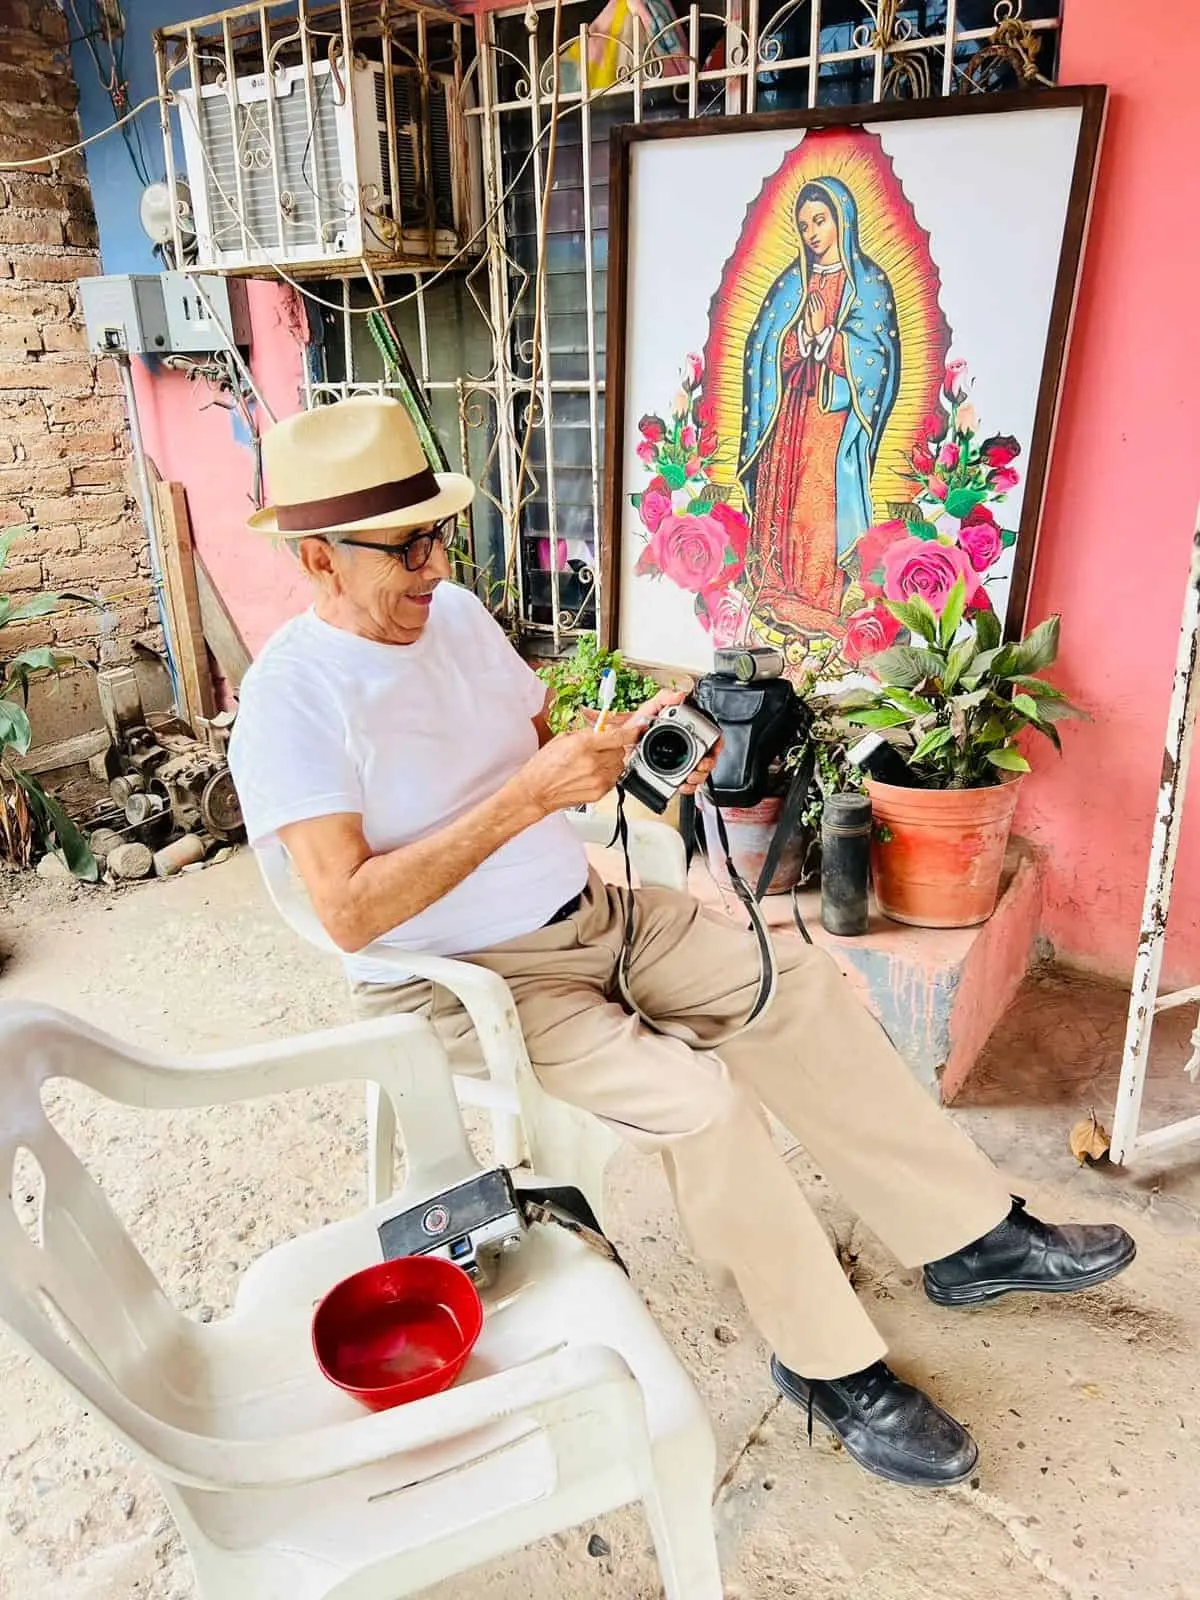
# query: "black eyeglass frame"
439,533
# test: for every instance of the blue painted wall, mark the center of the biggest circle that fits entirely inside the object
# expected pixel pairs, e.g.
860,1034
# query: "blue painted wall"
116,188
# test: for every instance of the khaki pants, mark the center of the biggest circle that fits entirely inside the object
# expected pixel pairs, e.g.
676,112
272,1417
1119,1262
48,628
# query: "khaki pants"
816,1059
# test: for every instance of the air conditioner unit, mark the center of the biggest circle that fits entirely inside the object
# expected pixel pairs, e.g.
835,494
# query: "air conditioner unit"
301,175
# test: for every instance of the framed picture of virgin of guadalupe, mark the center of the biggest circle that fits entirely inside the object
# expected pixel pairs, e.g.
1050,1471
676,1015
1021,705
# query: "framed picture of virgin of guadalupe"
835,344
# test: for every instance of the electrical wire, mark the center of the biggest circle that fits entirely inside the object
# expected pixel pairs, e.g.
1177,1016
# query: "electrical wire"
73,149
114,84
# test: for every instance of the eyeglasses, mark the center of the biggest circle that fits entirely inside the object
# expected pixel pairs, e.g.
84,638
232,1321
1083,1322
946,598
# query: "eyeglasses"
414,552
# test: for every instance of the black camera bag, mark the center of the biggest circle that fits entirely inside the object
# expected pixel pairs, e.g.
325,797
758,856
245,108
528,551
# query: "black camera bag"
760,722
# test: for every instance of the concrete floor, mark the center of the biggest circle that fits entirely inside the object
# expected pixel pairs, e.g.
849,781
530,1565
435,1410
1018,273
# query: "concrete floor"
1086,1408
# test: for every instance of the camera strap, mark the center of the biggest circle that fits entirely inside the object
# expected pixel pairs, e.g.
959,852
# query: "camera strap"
569,1210
766,955
789,817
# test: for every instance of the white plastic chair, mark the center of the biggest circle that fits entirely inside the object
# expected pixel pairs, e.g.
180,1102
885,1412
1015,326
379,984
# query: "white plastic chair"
282,1486
566,1144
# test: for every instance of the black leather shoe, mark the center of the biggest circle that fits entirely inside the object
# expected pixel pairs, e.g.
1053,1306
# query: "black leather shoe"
889,1427
1025,1254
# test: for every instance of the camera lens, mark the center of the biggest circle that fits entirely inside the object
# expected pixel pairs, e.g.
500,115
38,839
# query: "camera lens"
668,752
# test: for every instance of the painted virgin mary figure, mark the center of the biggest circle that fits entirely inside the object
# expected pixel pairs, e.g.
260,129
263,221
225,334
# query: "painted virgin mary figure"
822,368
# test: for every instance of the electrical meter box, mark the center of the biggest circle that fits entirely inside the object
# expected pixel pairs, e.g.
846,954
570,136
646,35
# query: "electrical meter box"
190,328
164,314
125,315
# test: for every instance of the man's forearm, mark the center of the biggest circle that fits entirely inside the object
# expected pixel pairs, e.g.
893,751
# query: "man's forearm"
388,889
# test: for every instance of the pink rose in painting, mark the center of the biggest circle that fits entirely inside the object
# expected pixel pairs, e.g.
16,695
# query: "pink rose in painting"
868,632
982,542
726,615
690,550
929,569
968,418
956,373
948,455
656,504
652,428
1005,478
981,600
647,452
693,370
871,548
938,488
694,467
737,529
687,437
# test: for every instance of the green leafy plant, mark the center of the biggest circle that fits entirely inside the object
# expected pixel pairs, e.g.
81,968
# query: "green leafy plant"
956,700
824,662
575,681
29,816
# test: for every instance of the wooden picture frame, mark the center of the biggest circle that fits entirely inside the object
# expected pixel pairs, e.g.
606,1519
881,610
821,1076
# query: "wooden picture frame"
870,134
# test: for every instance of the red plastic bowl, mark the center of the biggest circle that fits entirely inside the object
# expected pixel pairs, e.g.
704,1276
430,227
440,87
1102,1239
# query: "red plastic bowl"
398,1331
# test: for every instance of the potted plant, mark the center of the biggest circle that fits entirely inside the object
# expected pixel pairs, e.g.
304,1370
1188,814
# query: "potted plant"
955,701
575,681
31,820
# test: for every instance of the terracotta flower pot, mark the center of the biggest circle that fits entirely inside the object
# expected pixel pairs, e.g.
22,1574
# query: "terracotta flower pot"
750,830
937,854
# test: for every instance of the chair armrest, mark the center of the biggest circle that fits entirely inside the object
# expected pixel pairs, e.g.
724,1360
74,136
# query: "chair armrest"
483,995
548,1389
387,1050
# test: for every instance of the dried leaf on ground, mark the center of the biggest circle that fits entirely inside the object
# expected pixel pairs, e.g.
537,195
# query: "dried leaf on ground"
1089,1140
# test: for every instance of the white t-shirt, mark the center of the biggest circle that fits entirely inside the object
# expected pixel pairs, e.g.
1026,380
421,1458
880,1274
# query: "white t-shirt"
408,737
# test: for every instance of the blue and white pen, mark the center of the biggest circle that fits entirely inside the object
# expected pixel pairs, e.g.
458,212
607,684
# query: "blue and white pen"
606,695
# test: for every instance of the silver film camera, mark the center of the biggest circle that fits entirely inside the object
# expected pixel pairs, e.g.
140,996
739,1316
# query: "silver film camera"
667,754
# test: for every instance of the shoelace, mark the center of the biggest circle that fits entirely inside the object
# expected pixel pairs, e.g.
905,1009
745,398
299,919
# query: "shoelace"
864,1387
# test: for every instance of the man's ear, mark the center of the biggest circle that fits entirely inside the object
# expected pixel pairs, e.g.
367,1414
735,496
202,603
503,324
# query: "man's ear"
316,557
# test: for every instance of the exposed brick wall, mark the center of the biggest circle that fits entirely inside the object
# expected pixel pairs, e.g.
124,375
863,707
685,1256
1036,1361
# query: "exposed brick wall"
64,452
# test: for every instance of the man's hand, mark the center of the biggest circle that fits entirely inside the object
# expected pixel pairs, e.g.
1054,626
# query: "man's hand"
645,715
574,769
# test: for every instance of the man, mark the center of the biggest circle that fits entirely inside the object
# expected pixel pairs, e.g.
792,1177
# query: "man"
399,748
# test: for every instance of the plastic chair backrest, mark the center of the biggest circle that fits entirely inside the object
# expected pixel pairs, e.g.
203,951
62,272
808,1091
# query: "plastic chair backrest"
79,1295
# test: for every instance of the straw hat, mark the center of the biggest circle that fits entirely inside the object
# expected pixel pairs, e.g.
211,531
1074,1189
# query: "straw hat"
356,464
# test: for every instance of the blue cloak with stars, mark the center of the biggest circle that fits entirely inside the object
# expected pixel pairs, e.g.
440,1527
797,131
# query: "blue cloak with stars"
867,323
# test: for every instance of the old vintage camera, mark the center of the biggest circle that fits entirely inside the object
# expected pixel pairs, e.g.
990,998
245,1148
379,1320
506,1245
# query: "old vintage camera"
667,754
471,1225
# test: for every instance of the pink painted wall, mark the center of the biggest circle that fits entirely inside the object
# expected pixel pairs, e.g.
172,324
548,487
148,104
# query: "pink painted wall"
200,448
1122,495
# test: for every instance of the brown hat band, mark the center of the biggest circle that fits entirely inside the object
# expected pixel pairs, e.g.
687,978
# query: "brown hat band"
357,506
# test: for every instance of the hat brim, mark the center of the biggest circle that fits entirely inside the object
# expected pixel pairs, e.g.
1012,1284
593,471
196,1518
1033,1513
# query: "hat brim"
455,494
